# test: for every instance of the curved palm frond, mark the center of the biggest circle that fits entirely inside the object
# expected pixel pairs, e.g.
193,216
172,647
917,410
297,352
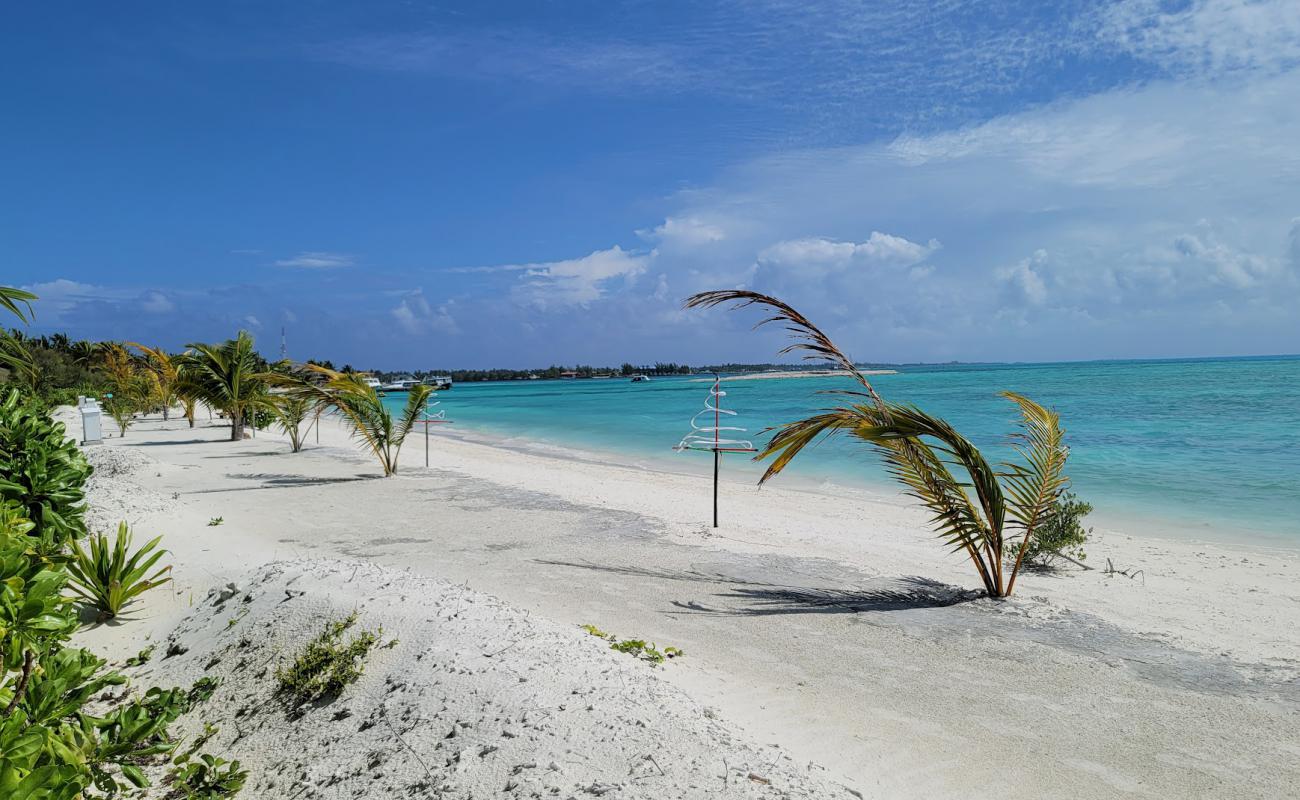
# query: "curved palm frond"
1034,487
900,433
15,301
809,339
15,356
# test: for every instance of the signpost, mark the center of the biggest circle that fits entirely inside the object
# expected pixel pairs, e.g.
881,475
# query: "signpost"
438,418
709,437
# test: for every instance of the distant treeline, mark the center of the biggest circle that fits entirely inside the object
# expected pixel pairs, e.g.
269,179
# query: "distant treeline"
556,371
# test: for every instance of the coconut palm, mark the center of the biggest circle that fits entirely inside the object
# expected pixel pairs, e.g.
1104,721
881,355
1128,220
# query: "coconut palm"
994,527
133,390
228,377
291,410
166,368
360,408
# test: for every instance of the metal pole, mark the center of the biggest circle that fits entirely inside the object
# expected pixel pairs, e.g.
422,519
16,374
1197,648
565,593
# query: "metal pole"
717,457
426,432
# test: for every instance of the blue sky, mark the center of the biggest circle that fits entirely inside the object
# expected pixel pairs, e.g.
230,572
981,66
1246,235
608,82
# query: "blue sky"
515,184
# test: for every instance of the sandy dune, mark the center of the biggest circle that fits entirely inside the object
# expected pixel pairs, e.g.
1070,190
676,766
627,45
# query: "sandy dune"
836,629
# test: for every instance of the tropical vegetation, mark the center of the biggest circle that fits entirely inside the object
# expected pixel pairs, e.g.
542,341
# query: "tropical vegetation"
990,513
51,746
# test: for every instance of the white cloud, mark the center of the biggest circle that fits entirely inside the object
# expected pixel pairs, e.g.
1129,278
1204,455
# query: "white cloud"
415,315
1025,279
1208,37
578,281
816,256
156,303
684,231
251,321
316,259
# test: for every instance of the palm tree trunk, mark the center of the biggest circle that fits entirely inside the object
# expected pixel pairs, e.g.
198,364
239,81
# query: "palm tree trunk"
236,426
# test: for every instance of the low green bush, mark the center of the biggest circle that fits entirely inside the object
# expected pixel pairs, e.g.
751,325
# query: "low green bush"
209,778
1061,534
42,471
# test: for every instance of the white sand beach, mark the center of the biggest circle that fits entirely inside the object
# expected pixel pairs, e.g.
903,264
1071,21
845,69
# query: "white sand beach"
831,644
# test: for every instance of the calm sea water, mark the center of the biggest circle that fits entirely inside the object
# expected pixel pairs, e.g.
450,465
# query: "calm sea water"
1205,448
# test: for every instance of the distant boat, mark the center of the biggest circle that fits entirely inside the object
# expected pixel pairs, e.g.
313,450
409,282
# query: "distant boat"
374,383
640,378
438,382
400,385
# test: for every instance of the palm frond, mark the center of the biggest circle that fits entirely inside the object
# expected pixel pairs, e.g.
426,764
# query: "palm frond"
15,301
809,339
1033,487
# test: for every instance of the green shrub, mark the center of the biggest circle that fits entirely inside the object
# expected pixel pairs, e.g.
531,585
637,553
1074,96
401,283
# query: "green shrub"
1061,533
109,577
327,664
42,471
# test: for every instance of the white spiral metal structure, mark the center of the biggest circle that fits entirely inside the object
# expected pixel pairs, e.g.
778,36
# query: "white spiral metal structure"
710,437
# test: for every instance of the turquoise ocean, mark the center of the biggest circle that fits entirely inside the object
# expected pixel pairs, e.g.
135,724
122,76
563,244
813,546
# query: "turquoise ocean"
1198,448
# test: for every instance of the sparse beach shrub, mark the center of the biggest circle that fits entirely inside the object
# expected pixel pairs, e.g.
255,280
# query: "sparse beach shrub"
215,521
1061,534
328,664
638,648
209,778
109,577
1011,503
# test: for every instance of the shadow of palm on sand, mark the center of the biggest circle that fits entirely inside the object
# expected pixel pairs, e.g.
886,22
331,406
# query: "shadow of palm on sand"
759,598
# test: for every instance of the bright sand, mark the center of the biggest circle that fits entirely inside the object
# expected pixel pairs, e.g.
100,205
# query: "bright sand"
826,625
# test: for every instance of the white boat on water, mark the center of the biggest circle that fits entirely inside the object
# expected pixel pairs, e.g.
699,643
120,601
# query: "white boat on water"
374,383
640,378
438,382
400,385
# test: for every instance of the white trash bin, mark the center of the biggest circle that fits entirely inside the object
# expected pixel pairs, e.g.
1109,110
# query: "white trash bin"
91,431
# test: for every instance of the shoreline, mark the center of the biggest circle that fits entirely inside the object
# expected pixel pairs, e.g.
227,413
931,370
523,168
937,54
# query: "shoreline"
838,630
1107,521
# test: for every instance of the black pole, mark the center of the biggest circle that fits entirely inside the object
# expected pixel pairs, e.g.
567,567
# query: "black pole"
717,457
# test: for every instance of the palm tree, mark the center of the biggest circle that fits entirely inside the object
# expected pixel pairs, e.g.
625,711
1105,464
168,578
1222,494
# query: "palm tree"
291,409
995,526
360,406
227,377
133,390
166,368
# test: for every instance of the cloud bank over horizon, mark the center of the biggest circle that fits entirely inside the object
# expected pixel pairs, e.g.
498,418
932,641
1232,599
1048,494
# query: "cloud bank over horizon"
1149,206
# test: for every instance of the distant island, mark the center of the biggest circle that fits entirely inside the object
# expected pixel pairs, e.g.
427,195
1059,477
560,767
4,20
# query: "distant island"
584,371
